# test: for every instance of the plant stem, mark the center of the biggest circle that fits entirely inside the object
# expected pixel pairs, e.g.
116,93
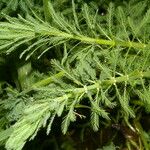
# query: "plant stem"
46,10
48,80
113,80
90,40
111,42
98,84
141,132
43,82
134,75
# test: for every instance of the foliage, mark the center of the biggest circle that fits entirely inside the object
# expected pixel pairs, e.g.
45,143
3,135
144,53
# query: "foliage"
77,63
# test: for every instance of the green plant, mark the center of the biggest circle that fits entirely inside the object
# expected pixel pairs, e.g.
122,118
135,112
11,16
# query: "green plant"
96,66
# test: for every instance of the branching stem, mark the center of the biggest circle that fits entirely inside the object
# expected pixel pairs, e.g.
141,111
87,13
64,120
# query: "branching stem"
134,75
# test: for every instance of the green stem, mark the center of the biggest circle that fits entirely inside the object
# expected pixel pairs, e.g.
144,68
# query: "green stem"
111,42
141,132
48,80
46,10
90,40
82,106
134,75
43,82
